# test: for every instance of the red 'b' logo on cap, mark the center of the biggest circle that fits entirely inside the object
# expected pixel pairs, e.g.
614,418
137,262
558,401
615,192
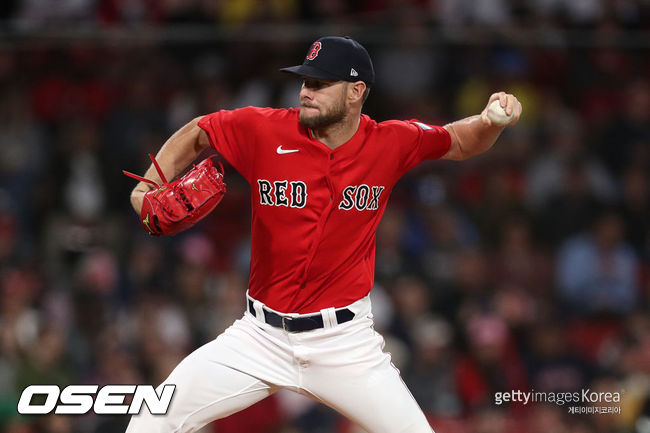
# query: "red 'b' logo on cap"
314,51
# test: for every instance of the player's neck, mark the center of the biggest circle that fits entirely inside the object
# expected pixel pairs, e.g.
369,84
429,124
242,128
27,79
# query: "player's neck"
339,133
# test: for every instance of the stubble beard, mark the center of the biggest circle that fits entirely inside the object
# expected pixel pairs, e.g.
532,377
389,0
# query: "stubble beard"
334,115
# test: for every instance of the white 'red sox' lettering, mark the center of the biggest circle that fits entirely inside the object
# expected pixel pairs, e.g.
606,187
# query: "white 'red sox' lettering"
283,193
362,197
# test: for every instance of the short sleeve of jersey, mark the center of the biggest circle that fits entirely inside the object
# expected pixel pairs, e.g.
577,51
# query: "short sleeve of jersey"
230,133
418,142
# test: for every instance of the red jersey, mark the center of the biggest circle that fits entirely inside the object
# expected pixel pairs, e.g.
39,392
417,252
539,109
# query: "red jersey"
316,209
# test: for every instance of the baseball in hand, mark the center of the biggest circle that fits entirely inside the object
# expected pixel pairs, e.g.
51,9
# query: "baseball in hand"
497,114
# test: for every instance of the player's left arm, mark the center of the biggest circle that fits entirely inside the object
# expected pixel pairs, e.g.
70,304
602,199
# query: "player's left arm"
476,134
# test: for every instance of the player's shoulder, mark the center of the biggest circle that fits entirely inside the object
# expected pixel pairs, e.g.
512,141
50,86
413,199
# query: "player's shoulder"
408,127
253,114
394,126
267,112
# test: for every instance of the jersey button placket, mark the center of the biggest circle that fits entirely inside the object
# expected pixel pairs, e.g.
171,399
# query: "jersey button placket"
329,183
328,178
323,219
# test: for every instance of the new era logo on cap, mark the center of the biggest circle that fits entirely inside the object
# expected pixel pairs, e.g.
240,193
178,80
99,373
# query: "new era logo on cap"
336,58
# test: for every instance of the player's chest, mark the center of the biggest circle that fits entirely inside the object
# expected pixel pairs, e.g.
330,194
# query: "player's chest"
299,175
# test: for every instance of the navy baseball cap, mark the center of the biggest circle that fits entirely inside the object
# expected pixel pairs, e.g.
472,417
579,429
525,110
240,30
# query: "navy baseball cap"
336,58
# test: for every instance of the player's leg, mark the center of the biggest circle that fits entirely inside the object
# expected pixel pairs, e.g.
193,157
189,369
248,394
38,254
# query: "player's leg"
377,400
347,369
220,378
204,392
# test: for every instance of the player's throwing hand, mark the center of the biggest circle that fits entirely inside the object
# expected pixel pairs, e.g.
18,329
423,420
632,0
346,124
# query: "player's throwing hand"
502,109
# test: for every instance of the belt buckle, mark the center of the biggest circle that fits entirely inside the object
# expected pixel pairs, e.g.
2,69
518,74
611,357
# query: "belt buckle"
286,319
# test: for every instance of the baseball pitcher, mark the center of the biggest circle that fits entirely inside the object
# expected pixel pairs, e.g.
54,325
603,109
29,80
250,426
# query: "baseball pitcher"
320,178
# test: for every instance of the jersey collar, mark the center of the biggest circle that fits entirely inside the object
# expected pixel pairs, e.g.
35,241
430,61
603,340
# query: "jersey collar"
352,146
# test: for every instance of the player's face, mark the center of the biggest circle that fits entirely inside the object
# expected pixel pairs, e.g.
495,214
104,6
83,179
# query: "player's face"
322,102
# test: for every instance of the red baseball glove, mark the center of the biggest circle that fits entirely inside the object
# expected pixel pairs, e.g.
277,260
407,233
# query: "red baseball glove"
176,206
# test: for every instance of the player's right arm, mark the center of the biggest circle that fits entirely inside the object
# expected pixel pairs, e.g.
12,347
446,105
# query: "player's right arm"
476,134
183,147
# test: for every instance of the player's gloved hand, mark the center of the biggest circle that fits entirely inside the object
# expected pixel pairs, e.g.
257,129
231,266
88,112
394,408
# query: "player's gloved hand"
175,206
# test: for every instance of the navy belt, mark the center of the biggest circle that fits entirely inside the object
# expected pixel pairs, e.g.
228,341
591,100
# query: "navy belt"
299,324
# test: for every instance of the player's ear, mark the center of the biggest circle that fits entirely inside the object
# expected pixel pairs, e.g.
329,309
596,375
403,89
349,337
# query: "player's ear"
355,91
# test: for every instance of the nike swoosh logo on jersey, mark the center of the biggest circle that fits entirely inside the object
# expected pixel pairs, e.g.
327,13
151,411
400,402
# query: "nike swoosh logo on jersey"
282,151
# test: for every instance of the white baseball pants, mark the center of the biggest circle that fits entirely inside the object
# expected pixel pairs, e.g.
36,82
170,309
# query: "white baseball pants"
341,365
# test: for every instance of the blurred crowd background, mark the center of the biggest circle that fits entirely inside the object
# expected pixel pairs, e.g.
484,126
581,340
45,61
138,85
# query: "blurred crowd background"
524,268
